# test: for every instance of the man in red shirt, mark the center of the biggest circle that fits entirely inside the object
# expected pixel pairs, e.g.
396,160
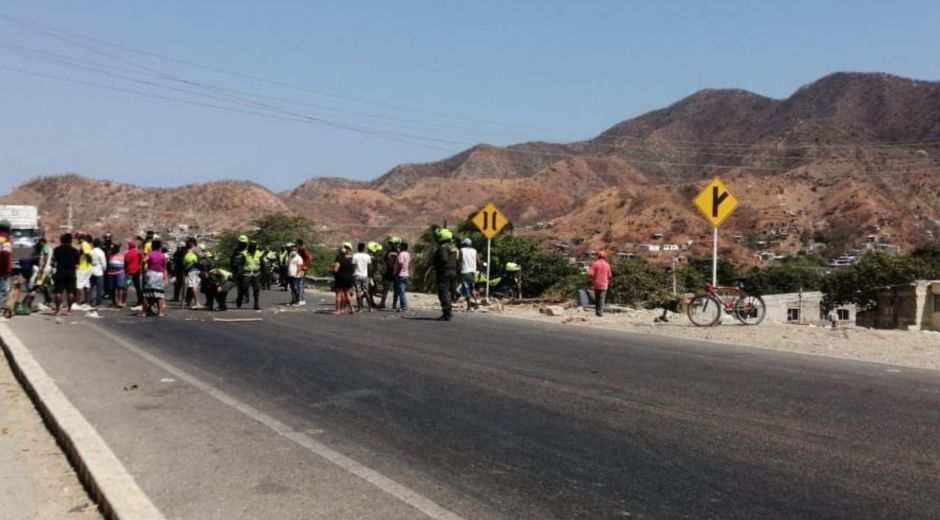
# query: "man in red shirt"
600,276
132,261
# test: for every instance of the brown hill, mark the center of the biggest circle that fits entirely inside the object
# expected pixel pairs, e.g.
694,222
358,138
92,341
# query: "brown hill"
127,210
847,156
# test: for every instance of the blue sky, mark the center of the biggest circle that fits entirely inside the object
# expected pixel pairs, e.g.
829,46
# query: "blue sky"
374,84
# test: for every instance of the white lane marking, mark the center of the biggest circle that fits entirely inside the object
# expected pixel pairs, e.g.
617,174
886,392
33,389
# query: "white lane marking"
399,491
111,479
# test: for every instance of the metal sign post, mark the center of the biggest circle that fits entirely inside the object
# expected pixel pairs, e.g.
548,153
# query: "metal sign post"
715,257
489,242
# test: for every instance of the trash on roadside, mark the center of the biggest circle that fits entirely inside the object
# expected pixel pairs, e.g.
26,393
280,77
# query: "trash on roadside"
167,380
130,387
92,314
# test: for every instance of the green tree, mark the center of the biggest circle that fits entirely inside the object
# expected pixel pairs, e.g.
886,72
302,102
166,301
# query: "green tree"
727,272
859,283
272,231
783,278
635,281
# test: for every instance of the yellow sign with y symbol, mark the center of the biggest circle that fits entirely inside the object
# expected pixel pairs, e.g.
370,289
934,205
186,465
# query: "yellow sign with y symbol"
716,202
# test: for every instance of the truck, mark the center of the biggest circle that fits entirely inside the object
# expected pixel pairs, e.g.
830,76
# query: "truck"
25,230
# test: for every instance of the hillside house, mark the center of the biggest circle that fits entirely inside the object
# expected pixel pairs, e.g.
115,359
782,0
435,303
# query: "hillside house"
913,306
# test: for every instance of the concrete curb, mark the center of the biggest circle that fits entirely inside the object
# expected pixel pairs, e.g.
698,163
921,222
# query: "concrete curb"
110,485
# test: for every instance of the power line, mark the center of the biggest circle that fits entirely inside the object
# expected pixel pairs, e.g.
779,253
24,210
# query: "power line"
50,30
58,34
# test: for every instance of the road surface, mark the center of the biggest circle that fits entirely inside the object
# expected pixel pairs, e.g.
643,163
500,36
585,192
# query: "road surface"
378,415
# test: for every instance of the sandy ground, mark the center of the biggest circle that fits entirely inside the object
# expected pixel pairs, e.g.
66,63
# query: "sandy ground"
36,481
920,349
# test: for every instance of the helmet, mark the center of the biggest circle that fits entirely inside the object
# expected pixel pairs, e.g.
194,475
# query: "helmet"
243,238
374,247
444,234
289,245
208,254
512,267
394,240
347,245
466,242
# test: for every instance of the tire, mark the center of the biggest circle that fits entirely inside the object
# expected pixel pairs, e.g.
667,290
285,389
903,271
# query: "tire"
750,309
703,311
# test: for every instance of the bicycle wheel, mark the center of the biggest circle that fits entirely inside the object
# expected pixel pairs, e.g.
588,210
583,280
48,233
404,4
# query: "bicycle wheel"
704,311
750,309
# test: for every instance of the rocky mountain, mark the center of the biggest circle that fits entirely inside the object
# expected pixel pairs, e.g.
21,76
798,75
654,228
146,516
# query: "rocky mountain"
848,157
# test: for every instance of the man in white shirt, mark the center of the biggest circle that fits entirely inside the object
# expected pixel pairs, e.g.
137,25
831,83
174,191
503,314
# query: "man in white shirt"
295,275
99,264
468,271
362,262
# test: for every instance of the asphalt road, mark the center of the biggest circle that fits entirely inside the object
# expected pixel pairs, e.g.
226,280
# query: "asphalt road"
504,418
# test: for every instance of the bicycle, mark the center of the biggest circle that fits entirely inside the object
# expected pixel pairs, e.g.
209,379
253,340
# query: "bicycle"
705,310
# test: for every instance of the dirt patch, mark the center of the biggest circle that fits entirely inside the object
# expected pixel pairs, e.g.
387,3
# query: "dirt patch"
920,349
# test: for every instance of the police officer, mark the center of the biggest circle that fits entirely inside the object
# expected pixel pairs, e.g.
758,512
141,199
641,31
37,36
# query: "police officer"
376,270
253,266
236,262
218,283
446,267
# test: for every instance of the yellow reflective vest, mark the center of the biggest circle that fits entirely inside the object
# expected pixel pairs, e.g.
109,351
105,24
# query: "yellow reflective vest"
252,261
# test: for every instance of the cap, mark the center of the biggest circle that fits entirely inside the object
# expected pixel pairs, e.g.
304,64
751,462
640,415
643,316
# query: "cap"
466,242
132,244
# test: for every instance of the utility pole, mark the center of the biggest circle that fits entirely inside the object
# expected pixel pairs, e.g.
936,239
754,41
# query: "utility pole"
70,217
675,289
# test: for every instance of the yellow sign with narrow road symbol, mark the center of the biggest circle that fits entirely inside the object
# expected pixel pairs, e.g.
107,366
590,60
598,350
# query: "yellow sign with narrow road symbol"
715,202
490,221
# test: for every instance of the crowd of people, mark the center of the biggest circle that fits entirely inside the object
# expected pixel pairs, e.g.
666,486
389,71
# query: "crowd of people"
84,273
364,279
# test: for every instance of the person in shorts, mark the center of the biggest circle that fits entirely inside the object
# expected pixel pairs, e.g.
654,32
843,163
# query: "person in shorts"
468,271
192,270
343,270
363,264
83,272
65,259
155,279
117,279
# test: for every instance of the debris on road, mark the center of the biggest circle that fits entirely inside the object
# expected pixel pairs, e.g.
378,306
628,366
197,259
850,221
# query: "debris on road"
235,320
132,386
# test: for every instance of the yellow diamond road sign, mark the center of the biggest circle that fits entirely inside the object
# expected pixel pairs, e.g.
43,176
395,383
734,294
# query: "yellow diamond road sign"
715,202
489,221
